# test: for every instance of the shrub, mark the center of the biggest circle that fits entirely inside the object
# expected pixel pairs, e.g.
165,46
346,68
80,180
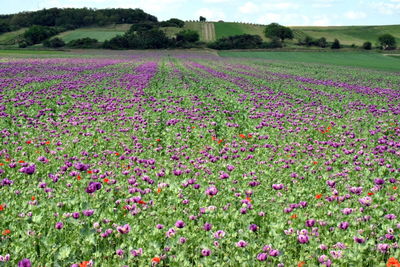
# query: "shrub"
54,43
335,44
83,43
367,46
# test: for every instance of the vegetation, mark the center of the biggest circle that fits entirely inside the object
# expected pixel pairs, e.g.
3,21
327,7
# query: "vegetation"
36,34
350,59
226,29
367,46
54,43
275,30
202,19
186,37
244,41
387,41
83,43
172,23
336,44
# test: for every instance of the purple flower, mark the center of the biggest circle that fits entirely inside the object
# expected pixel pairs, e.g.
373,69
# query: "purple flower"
262,256
277,186
303,239
59,225
179,224
159,226
274,253
25,263
390,216
365,201
88,212
336,254
170,233
347,211
219,234
344,225
253,227
359,240
137,252
207,226
76,215
28,170
119,252
211,191
383,248
205,252
310,223
182,240
241,244
124,229
81,167
379,181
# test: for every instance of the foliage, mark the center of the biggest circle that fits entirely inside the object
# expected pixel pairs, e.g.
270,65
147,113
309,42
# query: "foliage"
244,41
335,44
36,34
187,36
54,43
4,27
150,39
387,41
367,46
321,42
172,23
275,30
83,43
202,19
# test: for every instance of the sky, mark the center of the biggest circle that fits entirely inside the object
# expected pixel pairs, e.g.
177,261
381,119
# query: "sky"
285,12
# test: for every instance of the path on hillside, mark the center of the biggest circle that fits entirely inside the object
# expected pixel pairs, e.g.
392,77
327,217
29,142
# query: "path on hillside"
208,31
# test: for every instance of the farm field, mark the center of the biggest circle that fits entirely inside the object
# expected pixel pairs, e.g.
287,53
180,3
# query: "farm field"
350,59
190,159
99,33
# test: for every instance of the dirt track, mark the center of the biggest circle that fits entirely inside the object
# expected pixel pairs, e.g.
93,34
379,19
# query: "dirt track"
208,31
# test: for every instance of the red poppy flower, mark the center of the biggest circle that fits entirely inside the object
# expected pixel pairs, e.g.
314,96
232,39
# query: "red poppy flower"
142,202
1,208
33,198
84,264
159,190
249,136
6,232
220,141
78,177
393,262
158,140
89,172
47,142
21,161
242,136
294,216
315,162
28,142
394,187
117,154
318,196
156,259
301,264
106,180
370,194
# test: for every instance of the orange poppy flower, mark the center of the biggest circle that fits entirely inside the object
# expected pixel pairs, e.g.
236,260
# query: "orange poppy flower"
1,208
301,264
156,259
393,262
394,187
117,154
106,180
142,202
159,190
6,232
1,164
294,216
47,142
33,198
84,264
249,136
21,161
220,141
318,196
242,136
78,177
315,162
248,199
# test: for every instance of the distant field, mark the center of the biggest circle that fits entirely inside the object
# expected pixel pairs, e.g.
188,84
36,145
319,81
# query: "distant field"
351,59
225,29
349,34
8,38
99,33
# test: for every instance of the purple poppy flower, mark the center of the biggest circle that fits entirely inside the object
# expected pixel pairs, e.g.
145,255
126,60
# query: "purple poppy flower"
76,215
207,226
88,212
81,167
359,240
310,223
274,253
365,201
205,252
59,225
211,191
25,263
241,244
277,186
253,227
219,234
344,225
303,239
379,181
262,256
383,248
137,252
119,252
124,229
29,169
390,216
179,224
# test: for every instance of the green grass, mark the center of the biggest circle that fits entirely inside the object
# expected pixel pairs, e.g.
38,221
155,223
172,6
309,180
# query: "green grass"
5,52
350,59
9,38
99,33
225,29
349,34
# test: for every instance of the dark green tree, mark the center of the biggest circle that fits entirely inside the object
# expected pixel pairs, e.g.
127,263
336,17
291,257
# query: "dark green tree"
321,42
275,30
173,23
54,43
335,44
387,41
202,19
187,36
367,46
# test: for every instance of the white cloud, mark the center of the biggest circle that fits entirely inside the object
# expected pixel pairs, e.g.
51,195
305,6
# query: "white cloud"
216,1
281,5
211,14
248,8
355,15
387,8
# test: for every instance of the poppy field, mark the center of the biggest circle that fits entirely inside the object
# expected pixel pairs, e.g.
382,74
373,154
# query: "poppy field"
189,159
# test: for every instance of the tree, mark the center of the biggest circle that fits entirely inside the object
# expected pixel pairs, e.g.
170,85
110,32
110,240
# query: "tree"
275,30
244,41
202,19
367,45
83,43
173,23
335,44
188,36
54,43
37,34
4,27
321,42
387,41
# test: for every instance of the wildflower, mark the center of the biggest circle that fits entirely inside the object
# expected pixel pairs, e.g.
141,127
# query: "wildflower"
207,226
137,252
318,196
25,263
205,252
303,239
253,227
59,225
219,234
301,264
277,186
1,208
6,232
393,262
29,169
241,244
262,256
180,224
124,229
344,225
156,260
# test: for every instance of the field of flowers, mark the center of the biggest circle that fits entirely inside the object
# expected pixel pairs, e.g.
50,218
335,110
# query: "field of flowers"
194,160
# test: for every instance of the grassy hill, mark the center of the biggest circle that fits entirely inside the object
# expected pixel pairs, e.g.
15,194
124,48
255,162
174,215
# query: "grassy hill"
99,33
210,31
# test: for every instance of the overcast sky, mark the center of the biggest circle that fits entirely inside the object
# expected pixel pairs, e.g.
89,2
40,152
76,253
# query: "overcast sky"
286,12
